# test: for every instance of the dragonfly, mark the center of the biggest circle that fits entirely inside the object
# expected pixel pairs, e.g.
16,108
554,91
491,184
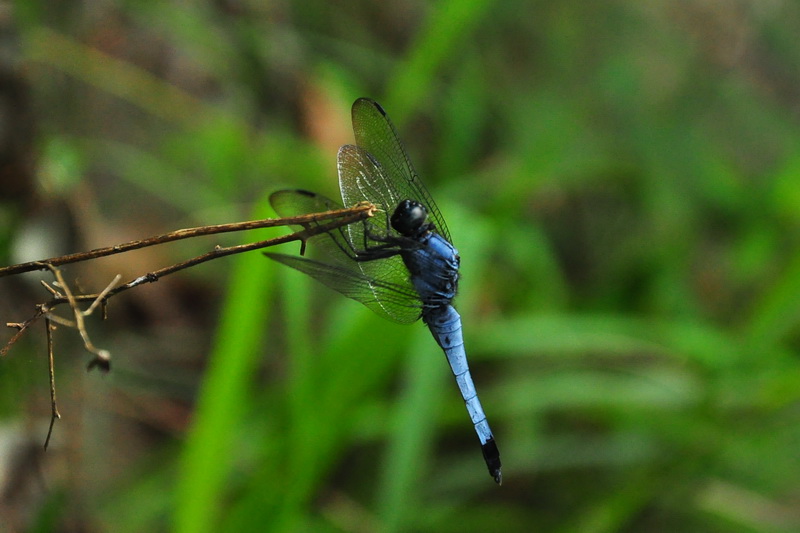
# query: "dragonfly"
401,263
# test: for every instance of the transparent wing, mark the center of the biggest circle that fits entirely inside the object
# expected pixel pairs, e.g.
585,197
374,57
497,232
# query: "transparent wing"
334,245
398,180
389,301
360,178
368,282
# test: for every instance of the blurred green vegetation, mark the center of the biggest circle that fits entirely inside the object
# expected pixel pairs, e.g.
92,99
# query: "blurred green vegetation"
621,180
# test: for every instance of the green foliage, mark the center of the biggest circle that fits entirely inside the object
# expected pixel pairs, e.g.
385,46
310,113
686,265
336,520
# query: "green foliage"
620,180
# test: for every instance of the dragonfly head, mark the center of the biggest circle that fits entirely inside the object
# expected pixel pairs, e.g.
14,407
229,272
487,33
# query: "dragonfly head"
409,218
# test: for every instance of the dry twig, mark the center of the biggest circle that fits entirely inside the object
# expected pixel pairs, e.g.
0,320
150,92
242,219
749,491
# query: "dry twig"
312,224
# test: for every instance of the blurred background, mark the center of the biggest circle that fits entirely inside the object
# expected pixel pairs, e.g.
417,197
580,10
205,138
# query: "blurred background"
622,180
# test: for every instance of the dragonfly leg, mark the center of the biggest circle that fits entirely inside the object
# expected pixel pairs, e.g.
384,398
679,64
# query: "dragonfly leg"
377,253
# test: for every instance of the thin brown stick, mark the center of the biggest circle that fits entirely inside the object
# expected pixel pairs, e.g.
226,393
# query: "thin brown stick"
216,253
310,222
102,358
54,414
61,293
362,211
21,327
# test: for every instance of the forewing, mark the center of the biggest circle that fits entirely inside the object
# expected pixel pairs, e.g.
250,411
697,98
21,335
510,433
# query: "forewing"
362,178
376,134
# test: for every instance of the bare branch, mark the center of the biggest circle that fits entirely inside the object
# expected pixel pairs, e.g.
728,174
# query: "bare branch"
102,357
360,211
54,414
61,293
22,327
310,223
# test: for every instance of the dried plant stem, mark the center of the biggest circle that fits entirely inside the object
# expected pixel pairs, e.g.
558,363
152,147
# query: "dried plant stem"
340,216
311,223
102,357
61,293
54,414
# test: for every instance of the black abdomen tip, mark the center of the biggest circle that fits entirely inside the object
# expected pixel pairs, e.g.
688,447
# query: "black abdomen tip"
492,457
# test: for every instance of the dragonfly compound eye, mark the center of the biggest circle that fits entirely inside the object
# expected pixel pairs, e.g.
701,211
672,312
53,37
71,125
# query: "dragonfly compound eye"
409,217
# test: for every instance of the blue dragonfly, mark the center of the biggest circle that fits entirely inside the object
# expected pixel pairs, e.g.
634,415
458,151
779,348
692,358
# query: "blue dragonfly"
401,263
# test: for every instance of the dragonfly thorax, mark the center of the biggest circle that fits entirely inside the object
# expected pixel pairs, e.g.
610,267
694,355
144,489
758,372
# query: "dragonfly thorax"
409,218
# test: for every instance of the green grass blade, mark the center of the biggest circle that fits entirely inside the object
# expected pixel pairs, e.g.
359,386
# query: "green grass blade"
207,456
